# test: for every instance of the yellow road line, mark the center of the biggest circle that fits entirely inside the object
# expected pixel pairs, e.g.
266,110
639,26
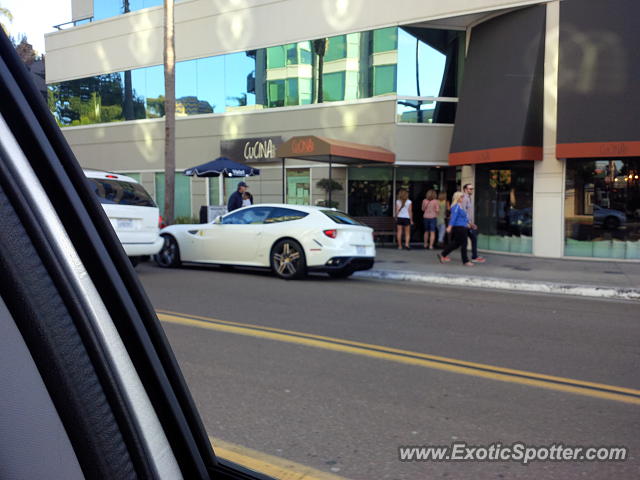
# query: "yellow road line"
275,467
591,389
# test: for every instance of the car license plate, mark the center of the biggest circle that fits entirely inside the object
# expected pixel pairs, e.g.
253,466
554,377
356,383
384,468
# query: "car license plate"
125,223
361,250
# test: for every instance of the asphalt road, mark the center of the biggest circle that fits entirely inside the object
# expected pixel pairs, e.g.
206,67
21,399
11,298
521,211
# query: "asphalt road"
345,409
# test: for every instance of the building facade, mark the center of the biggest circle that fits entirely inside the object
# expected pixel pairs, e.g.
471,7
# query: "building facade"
530,101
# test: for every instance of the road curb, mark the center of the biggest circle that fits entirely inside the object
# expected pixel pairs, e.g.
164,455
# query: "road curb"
505,284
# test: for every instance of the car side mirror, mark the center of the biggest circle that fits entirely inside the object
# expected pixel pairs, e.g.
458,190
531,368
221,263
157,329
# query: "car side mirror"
218,220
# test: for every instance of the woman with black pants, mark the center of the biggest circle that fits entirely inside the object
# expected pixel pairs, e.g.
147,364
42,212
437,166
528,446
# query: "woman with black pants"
459,229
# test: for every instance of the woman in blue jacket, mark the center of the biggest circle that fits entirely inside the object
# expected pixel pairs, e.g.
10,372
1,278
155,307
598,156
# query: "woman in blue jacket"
459,229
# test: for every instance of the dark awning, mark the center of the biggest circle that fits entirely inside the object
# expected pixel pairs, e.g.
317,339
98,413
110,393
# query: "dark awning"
320,149
499,116
599,79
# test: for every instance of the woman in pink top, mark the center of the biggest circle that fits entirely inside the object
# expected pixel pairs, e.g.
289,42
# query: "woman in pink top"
430,209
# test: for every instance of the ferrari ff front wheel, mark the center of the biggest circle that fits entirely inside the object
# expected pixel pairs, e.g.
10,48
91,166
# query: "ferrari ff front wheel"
287,260
169,255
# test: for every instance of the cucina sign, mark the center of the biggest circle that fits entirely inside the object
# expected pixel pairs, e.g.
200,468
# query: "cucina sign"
251,150
259,150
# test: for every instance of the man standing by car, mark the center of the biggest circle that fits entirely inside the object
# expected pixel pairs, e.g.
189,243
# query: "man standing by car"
467,205
235,200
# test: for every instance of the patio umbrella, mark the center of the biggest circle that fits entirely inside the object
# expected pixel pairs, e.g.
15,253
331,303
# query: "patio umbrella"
222,167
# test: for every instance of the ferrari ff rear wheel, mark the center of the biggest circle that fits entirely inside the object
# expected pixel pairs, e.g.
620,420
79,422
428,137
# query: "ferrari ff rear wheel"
287,260
169,255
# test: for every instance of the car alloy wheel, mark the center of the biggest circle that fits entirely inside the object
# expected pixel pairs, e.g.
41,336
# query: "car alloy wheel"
287,260
169,255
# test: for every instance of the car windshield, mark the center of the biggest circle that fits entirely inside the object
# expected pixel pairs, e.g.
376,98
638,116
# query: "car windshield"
116,192
341,217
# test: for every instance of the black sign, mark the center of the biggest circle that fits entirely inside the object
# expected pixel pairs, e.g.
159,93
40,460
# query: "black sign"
251,150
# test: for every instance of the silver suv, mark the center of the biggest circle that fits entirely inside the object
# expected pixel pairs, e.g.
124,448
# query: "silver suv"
131,210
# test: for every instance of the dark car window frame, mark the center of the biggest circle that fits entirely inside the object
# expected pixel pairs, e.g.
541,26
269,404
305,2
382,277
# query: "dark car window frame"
98,249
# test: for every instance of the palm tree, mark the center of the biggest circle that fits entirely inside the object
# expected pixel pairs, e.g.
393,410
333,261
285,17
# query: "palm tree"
127,109
4,12
170,113
320,48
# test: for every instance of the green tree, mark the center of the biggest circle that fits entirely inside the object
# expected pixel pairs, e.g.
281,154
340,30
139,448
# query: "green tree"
329,185
4,12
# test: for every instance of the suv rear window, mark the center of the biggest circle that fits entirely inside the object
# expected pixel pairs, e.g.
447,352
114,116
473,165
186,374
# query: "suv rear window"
115,192
341,217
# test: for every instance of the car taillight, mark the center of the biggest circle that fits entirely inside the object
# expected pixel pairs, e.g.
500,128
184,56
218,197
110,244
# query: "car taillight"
160,222
331,233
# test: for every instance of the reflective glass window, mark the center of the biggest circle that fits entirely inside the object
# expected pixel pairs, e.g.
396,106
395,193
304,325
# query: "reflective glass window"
417,181
602,208
298,186
214,191
333,86
384,79
421,74
110,8
275,93
336,48
385,39
276,57
370,191
292,94
182,205
200,86
503,206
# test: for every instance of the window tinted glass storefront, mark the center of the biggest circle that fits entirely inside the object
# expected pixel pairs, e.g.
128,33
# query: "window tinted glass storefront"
370,192
298,183
503,206
418,181
357,65
182,205
602,208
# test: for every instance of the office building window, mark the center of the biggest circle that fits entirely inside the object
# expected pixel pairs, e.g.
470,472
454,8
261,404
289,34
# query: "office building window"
602,208
333,86
370,191
503,206
182,204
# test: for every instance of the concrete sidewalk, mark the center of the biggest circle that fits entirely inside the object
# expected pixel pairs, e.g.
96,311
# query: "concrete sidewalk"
606,279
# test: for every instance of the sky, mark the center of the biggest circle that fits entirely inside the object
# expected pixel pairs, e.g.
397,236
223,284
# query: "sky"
35,18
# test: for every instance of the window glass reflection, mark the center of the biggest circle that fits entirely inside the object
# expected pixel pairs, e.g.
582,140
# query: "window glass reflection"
503,206
354,66
110,8
602,208
370,192
239,71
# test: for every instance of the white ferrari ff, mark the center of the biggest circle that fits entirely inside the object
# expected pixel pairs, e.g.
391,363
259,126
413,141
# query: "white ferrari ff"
289,239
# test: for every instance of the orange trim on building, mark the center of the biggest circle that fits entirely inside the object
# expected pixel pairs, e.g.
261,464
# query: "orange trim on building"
506,154
598,149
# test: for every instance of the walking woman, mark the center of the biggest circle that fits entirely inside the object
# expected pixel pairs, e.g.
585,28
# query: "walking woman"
404,218
459,229
430,209
441,221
